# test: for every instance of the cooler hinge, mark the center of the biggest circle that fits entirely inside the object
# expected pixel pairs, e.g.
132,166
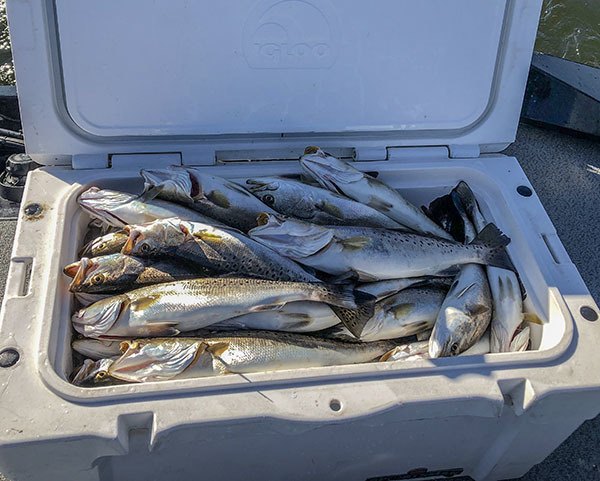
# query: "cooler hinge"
458,151
155,160
416,153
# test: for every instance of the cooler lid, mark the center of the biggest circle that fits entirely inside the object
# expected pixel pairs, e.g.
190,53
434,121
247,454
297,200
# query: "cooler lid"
104,77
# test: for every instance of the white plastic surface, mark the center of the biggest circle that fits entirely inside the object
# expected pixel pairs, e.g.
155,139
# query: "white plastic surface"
93,76
491,416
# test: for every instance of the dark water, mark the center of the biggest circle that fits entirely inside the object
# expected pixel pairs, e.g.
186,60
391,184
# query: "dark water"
571,29
568,28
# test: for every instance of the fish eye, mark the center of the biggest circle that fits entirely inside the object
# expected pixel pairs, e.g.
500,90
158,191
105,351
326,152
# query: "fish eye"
454,349
97,279
145,248
101,375
268,199
102,245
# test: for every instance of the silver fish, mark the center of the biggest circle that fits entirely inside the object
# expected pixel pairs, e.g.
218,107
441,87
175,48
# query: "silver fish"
506,293
406,313
183,306
148,360
293,317
107,244
467,310
339,176
374,254
96,349
211,195
119,209
316,205
221,250
118,273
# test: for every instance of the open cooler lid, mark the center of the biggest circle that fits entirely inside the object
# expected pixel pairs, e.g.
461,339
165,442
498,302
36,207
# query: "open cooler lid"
198,77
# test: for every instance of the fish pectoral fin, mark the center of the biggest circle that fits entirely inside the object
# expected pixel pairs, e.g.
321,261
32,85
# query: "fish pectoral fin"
402,310
329,208
218,349
354,243
533,318
379,204
219,199
144,302
266,307
152,192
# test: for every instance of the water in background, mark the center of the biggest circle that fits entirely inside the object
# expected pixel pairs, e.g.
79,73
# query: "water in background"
568,28
571,29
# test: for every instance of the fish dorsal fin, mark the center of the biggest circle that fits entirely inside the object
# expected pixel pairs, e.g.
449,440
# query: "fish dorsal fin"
218,348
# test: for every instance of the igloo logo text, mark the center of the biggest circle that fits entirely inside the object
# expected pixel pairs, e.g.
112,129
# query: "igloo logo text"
290,34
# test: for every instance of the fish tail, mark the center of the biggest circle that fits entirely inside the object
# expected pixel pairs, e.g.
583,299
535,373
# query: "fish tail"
466,196
356,319
341,295
494,242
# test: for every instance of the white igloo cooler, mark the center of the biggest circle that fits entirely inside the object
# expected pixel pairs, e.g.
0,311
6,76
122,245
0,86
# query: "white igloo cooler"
426,93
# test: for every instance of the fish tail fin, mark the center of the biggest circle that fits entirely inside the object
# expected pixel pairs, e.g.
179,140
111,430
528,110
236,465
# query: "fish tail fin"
341,295
466,196
494,242
356,319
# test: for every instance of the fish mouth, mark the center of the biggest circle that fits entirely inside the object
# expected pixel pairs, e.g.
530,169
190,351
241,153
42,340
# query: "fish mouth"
134,236
101,204
72,269
84,267
92,371
171,183
293,238
143,362
95,321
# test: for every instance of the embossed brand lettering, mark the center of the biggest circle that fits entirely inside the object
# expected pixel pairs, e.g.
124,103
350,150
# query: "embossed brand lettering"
291,34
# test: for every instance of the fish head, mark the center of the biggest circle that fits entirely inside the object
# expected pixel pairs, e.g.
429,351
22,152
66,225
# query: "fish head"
266,190
107,244
105,273
155,360
331,172
104,204
93,372
452,333
155,238
96,320
172,184
290,237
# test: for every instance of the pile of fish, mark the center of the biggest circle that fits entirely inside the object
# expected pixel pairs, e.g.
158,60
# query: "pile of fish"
202,276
